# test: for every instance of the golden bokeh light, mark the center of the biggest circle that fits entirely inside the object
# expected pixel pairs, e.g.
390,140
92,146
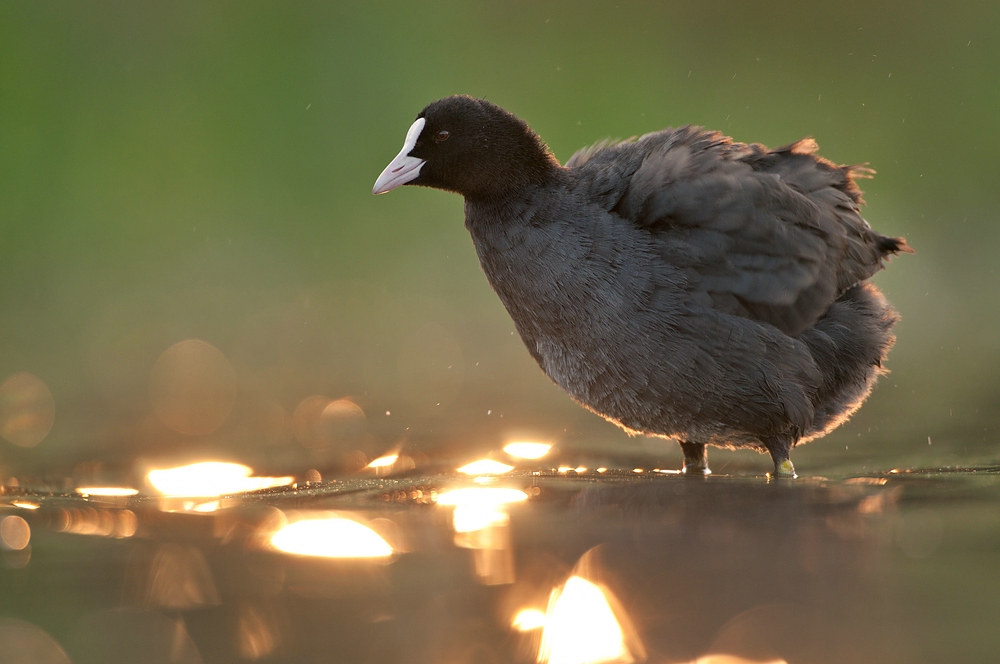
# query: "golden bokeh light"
15,533
127,524
25,504
192,387
383,461
210,479
527,450
485,467
342,422
331,537
305,420
94,521
27,410
24,643
581,628
319,423
107,491
528,620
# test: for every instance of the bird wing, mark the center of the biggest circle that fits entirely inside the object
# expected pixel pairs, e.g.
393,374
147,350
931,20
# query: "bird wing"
771,235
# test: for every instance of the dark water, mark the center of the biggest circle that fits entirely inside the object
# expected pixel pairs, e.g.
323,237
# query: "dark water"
891,568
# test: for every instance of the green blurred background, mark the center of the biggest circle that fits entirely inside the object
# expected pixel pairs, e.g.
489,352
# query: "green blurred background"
202,170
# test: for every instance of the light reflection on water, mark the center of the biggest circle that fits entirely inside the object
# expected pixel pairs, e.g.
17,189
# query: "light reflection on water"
485,467
527,620
106,491
331,536
481,497
702,570
527,449
482,524
384,461
209,479
581,627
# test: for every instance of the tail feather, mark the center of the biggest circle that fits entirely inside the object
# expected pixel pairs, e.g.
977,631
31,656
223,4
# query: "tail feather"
894,245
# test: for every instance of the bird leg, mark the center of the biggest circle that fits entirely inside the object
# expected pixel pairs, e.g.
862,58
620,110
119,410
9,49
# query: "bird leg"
695,459
780,448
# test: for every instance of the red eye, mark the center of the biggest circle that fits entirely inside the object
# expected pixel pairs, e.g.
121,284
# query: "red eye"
442,136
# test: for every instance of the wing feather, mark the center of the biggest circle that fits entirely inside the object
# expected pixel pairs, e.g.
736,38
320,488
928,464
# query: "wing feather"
772,235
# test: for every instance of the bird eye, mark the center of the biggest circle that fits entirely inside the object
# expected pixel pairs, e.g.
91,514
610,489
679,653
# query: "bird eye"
442,136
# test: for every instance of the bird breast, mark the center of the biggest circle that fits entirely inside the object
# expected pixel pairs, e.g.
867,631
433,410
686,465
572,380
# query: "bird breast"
576,290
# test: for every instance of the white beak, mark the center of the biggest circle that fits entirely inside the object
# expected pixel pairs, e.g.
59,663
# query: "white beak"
403,168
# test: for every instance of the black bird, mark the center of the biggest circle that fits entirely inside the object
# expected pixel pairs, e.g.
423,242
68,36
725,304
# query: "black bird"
681,284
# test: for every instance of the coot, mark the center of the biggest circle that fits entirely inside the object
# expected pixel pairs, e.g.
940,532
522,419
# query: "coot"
680,284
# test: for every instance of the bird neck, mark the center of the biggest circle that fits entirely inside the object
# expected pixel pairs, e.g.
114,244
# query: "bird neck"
512,168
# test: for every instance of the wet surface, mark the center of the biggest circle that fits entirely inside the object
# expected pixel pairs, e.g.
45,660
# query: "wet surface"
527,565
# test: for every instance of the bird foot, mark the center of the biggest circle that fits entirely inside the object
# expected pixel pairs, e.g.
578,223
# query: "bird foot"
695,459
699,467
784,470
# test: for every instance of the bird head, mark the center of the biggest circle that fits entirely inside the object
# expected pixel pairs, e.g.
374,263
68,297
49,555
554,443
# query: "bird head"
469,146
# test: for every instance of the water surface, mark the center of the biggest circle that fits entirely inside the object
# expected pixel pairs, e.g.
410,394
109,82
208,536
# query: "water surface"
898,567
